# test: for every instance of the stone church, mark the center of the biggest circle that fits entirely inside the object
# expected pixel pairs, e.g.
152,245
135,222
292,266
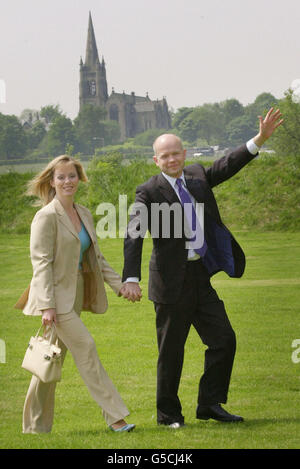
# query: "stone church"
135,114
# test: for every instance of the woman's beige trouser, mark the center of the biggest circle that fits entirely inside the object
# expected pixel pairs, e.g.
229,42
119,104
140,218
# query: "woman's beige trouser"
73,335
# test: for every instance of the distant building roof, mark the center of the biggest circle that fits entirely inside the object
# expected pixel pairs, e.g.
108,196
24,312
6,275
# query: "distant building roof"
144,106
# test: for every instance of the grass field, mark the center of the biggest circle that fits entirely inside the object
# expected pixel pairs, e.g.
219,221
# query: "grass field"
265,388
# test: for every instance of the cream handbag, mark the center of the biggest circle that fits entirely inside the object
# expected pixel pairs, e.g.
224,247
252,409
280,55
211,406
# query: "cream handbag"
43,358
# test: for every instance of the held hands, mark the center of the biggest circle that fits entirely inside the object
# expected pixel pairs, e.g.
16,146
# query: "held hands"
267,126
131,291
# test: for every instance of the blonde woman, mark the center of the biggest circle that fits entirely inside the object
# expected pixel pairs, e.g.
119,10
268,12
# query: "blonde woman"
69,272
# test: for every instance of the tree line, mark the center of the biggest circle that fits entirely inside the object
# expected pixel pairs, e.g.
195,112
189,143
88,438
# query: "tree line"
49,132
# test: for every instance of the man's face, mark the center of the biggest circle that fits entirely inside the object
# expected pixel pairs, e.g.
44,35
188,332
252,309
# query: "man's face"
169,155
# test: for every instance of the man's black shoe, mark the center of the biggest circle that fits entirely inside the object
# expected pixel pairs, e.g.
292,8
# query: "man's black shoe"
216,412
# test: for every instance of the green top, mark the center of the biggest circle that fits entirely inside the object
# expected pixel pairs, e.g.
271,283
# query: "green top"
85,242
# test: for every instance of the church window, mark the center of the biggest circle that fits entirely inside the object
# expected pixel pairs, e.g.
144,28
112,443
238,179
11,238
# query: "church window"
114,112
92,87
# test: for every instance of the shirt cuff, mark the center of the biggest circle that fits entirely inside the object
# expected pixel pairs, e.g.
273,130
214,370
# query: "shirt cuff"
132,279
252,147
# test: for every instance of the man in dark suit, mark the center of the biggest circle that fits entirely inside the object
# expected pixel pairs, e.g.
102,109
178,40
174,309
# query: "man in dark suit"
181,266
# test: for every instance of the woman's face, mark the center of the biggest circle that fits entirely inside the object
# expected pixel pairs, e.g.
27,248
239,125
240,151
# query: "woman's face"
65,180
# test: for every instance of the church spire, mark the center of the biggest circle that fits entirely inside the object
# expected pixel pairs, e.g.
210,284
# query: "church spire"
91,56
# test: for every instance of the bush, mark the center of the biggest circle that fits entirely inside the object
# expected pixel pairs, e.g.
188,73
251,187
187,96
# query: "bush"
263,196
108,179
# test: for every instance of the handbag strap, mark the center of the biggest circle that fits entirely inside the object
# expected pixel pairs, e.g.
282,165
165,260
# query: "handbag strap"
53,329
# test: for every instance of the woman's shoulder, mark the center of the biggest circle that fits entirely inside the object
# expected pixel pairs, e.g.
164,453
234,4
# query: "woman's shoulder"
48,211
84,209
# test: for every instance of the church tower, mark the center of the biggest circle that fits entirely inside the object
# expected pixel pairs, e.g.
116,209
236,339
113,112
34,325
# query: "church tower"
93,83
134,114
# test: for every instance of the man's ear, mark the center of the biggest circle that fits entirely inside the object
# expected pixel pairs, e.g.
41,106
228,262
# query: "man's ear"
155,159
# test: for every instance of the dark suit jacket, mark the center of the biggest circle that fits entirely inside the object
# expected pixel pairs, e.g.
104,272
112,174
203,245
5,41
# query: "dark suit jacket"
169,256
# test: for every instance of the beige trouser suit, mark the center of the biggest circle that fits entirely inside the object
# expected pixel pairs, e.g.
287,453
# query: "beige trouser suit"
69,291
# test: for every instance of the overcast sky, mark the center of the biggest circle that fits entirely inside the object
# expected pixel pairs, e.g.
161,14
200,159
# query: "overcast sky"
191,51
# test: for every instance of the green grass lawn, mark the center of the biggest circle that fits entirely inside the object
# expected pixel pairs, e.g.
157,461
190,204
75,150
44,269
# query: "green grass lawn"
263,307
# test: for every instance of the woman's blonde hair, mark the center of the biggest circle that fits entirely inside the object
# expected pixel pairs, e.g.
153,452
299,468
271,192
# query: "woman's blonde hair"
40,185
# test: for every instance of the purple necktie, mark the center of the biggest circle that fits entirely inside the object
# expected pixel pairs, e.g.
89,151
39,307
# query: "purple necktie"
191,218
